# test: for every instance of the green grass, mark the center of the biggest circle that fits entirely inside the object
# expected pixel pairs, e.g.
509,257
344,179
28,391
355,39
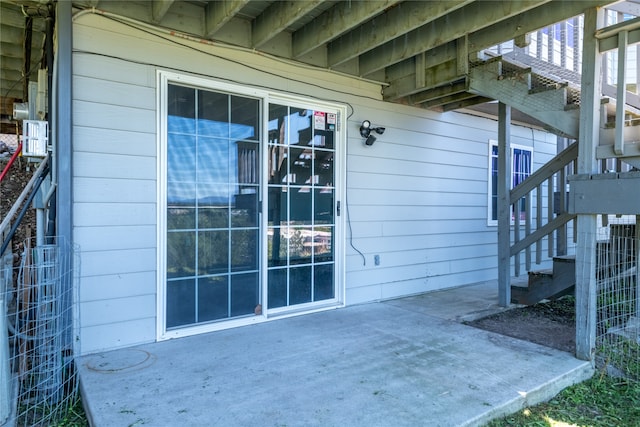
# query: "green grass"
75,417
601,401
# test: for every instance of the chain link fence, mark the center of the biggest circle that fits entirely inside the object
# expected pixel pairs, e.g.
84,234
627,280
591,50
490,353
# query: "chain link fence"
38,382
618,299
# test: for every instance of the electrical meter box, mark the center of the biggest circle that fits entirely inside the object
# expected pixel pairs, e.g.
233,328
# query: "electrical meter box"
35,138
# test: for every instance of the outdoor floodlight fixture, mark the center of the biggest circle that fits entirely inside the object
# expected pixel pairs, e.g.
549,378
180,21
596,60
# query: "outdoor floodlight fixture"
365,132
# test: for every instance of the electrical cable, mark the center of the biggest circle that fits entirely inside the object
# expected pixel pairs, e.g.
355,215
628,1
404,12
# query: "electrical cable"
170,40
154,30
213,55
346,204
225,79
6,94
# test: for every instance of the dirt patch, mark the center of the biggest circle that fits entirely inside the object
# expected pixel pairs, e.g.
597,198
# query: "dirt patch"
551,323
12,185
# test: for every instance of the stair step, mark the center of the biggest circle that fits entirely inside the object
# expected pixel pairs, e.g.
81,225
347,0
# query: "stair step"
548,272
565,258
525,296
547,284
548,87
513,68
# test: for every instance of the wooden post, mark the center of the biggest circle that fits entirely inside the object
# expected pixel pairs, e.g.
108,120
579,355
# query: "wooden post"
621,93
63,156
504,207
576,37
63,128
587,163
561,241
636,254
550,43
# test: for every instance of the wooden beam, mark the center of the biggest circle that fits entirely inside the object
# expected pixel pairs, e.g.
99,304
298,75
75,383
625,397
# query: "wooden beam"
339,19
450,100
11,34
522,40
462,57
420,67
609,193
514,27
11,89
436,76
10,50
17,64
277,17
218,13
608,151
587,163
159,8
437,93
454,25
475,100
398,20
504,207
432,58
526,22
608,36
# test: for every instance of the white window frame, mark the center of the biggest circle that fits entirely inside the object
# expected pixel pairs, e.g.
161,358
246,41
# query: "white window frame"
163,79
493,143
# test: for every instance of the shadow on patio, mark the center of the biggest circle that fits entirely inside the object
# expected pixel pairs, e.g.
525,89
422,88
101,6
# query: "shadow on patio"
403,362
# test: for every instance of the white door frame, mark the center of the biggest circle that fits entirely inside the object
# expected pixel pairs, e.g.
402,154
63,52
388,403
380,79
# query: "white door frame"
163,79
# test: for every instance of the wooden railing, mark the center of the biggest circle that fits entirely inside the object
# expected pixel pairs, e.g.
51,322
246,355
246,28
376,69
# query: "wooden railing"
554,173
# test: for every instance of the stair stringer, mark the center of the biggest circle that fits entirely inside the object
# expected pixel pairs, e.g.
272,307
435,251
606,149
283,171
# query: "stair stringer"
547,107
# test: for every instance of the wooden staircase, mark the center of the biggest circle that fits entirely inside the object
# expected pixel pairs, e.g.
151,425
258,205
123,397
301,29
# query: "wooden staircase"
554,101
551,96
545,97
547,284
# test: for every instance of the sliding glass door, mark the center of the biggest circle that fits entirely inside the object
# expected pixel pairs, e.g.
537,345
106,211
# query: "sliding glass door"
249,207
301,201
213,152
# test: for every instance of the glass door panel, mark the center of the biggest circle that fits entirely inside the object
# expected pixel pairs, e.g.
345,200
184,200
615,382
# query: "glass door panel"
213,152
300,206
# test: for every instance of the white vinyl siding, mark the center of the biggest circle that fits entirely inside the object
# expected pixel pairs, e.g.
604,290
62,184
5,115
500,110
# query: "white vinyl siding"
114,187
417,197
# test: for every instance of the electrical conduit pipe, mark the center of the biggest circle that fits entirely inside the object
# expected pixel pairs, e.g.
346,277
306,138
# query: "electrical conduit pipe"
26,207
11,160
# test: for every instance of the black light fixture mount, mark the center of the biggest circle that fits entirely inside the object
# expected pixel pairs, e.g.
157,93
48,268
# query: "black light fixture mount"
365,132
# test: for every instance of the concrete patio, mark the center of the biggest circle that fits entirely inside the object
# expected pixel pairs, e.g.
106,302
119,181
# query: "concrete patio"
404,362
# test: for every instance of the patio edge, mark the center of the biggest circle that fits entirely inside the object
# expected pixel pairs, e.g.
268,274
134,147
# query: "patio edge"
537,395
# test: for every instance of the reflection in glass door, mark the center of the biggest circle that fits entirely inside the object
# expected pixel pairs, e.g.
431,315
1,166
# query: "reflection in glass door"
300,206
212,259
